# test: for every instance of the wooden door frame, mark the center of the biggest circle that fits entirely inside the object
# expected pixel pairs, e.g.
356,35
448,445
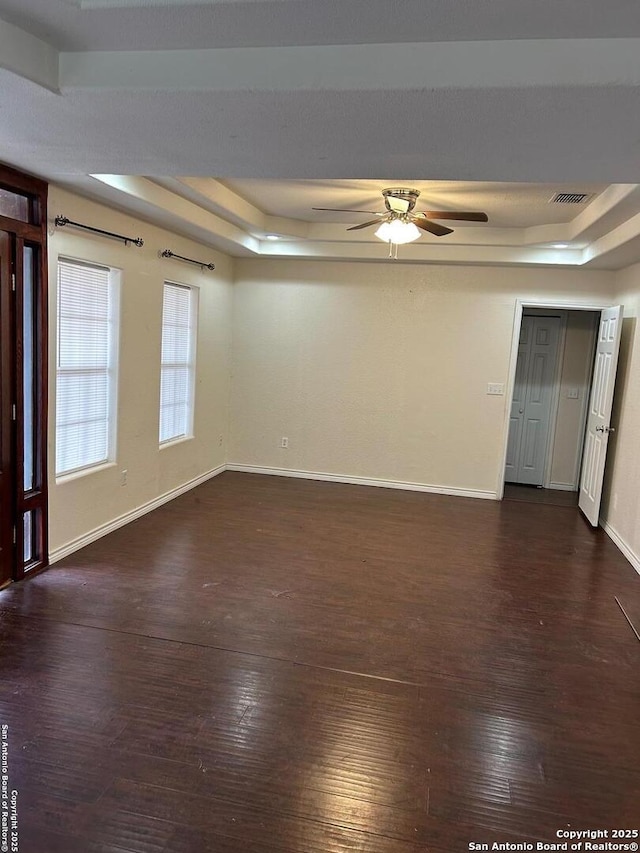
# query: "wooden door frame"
7,372
34,234
520,305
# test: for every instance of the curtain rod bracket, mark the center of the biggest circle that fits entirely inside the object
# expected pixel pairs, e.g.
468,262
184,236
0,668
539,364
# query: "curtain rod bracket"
167,253
61,221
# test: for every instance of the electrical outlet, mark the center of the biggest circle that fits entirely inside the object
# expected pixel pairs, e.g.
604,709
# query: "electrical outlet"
572,393
284,441
496,388
123,477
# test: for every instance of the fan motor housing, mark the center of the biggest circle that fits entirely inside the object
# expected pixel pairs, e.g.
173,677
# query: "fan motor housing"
406,194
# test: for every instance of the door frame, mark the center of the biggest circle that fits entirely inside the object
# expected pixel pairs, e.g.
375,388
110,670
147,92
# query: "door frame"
520,305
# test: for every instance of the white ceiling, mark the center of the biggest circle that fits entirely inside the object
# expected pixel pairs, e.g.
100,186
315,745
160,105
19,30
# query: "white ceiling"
507,205
292,104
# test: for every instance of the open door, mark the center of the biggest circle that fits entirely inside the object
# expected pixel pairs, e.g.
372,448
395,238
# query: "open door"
600,404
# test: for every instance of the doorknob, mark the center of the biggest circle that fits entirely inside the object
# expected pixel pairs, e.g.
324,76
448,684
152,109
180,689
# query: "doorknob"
520,411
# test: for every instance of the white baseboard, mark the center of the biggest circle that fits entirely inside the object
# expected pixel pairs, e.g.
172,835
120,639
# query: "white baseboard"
121,520
563,487
364,481
631,555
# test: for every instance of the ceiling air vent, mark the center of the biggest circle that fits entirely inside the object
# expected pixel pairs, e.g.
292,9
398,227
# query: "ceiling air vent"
570,198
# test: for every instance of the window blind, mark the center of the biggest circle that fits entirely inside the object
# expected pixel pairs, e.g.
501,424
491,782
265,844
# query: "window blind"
84,366
176,375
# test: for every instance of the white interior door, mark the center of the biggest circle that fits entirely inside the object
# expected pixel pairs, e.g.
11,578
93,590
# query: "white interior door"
598,420
516,420
531,405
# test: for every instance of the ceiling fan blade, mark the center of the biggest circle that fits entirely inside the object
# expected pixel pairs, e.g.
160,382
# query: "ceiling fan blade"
364,225
346,210
467,215
432,227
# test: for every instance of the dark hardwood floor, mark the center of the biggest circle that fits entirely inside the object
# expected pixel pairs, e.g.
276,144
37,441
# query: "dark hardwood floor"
535,495
269,665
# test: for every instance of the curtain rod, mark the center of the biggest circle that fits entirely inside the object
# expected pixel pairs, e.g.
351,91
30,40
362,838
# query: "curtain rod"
167,253
61,221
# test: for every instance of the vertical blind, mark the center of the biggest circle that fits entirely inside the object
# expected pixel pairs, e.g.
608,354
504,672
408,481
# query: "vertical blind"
84,366
176,380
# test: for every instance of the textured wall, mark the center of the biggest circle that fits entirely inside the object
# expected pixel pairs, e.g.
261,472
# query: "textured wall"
380,370
79,505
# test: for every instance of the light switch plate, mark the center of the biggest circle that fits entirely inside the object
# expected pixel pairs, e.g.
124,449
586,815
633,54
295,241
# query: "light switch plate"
496,388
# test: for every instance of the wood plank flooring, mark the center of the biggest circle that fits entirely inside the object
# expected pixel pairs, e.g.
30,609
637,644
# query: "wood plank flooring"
268,665
535,495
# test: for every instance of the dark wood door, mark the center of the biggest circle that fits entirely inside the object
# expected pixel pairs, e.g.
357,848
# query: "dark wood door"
7,467
23,375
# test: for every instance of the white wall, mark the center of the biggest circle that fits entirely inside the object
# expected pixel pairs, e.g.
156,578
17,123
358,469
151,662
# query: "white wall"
380,370
621,509
80,505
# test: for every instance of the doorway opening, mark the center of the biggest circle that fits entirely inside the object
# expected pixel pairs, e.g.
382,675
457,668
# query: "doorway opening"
561,389
23,375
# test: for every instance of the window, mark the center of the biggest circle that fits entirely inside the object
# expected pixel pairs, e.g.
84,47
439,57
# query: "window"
179,313
86,365
14,205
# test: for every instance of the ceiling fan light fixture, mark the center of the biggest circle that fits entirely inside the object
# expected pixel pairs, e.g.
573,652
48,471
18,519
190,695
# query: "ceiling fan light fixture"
398,232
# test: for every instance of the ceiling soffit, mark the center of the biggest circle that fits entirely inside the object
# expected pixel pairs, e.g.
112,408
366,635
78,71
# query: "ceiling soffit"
180,24
597,235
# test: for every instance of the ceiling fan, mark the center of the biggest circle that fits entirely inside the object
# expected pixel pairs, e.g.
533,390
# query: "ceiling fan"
399,223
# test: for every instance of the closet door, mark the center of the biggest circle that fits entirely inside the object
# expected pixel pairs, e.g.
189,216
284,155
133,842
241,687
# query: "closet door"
531,406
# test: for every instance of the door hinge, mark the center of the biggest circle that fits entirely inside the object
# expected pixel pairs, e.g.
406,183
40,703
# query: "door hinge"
13,281
13,411
15,534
